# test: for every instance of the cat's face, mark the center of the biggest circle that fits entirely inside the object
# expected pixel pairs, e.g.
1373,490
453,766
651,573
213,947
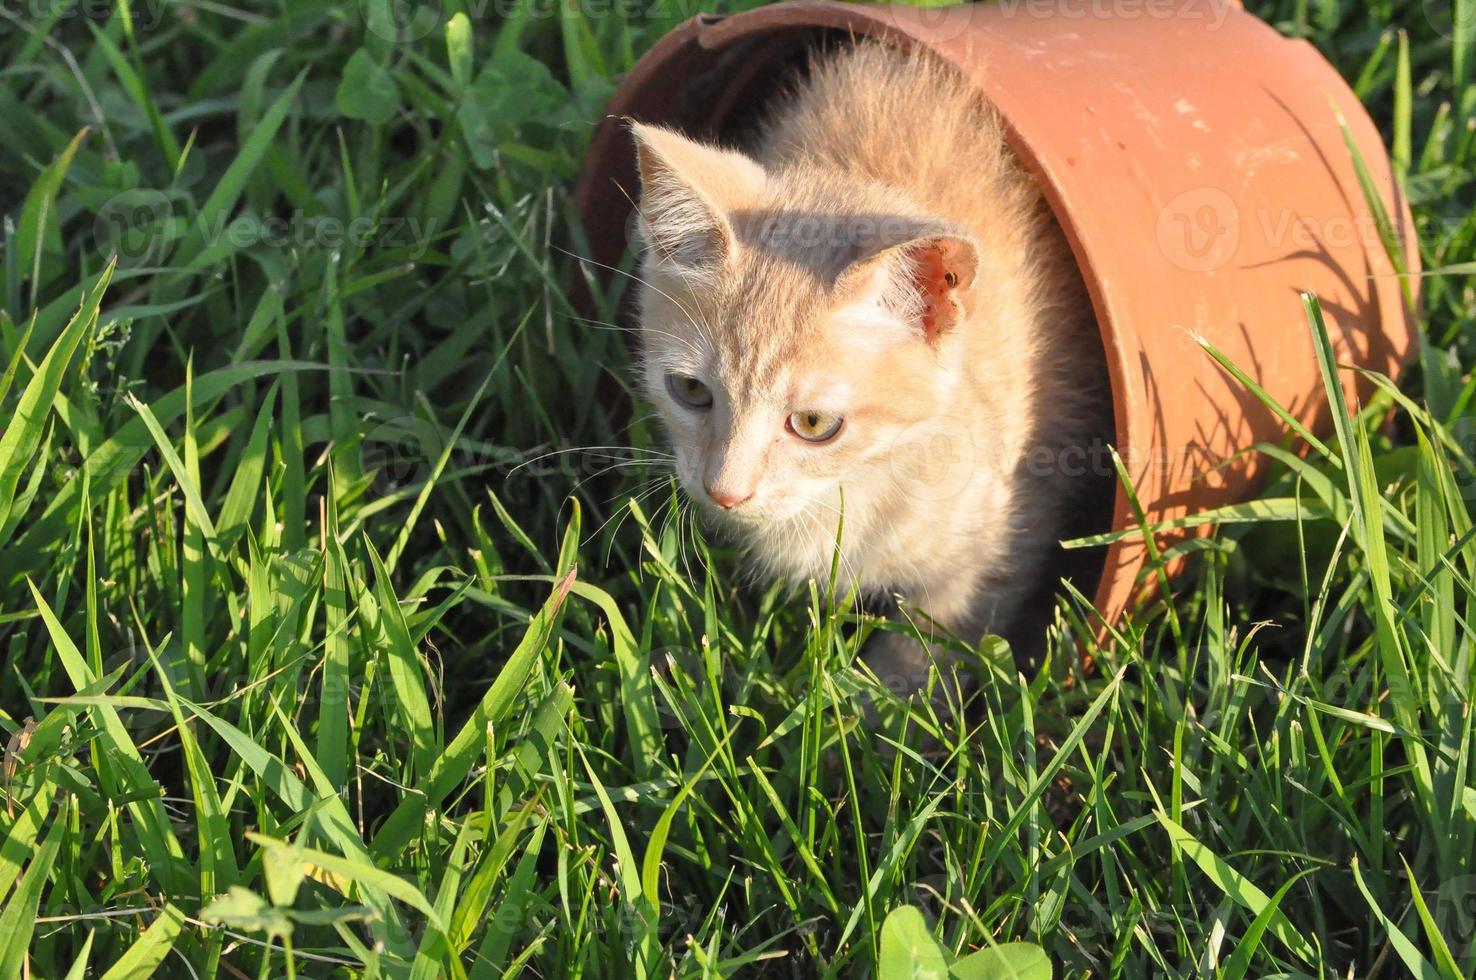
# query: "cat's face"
796,349
773,425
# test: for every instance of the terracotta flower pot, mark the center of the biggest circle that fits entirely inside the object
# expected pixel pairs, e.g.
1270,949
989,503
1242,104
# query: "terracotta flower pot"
1193,157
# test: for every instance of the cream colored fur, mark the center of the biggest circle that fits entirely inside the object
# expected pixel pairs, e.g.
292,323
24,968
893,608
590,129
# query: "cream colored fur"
783,280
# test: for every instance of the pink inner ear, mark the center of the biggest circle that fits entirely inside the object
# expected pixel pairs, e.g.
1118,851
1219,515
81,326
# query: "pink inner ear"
933,282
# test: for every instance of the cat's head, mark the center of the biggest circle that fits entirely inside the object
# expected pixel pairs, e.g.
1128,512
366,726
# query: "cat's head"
796,330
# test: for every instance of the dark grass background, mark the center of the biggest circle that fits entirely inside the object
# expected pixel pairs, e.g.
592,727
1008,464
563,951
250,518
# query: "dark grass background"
295,681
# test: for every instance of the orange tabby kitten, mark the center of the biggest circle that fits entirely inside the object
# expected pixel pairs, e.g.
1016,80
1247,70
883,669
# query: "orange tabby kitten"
871,311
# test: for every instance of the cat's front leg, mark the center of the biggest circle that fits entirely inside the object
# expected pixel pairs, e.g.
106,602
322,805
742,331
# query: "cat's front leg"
901,661
963,608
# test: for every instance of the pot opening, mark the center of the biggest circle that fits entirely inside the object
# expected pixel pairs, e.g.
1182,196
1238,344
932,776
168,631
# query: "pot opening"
720,95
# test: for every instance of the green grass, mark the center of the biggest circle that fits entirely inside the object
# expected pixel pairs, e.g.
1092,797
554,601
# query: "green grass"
327,648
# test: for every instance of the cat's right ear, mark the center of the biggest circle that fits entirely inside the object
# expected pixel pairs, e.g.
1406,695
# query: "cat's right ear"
686,188
921,279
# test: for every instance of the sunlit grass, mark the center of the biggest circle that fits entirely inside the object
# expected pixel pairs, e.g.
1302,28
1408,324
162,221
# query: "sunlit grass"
350,625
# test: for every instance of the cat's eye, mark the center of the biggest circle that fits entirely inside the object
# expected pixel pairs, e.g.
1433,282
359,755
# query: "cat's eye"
813,426
689,391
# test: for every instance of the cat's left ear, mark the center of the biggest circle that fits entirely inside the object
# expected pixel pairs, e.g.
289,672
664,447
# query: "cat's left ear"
687,188
923,280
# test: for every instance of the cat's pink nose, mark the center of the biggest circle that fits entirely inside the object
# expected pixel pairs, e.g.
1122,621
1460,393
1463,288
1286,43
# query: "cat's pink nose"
727,499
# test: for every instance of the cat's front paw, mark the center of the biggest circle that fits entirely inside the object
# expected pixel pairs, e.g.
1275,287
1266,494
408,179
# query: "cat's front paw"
905,666
900,661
